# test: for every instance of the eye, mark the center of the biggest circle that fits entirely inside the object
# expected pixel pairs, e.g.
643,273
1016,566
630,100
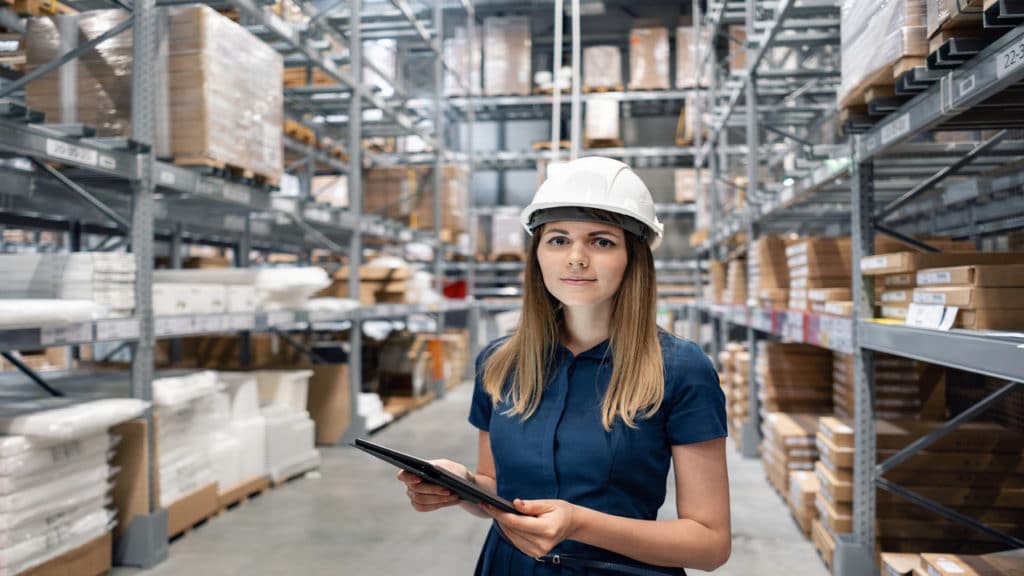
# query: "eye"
558,241
604,243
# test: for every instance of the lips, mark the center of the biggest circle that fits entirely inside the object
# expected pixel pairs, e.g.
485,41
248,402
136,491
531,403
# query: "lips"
579,281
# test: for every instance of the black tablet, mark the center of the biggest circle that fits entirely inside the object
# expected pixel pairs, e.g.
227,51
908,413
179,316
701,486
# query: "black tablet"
436,475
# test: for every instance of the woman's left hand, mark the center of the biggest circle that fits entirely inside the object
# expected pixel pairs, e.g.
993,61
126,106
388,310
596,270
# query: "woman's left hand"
542,524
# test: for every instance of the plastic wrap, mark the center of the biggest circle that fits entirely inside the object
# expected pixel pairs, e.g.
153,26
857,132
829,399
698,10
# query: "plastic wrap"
55,542
602,67
108,279
648,59
686,68
289,388
178,390
601,120
383,54
97,86
242,393
19,313
875,35
252,449
290,440
507,45
66,418
468,65
276,288
58,492
9,484
11,535
224,458
20,455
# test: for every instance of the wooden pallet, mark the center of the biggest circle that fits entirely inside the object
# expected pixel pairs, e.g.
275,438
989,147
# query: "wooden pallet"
40,8
242,493
297,131
602,89
602,143
546,145
228,170
885,76
275,484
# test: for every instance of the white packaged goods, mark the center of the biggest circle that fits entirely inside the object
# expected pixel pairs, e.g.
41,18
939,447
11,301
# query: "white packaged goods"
225,452
54,542
601,120
243,394
24,455
252,447
107,279
507,56
371,408
290,441
686,71
288,388
35,313
383,54
887,30
276,288
241,298
66,418
174,390
467,61
20,481
602,67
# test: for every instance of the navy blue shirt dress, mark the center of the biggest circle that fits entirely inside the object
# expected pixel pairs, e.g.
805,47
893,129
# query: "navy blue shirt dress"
563,452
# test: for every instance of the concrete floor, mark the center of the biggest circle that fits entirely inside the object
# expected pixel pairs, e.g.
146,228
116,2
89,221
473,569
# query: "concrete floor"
352,517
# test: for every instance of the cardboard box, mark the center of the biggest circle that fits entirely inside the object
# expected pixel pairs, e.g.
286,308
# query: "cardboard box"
899,280
602,67
130,494
507,45
828,294
90,559
685,180
895,564
971,297
899,298
192,509
329,402
908,262
949,14
823,541
649,59
1011,275
963,565
737,49
990,319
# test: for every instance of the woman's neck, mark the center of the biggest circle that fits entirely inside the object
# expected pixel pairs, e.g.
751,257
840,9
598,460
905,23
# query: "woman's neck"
586,327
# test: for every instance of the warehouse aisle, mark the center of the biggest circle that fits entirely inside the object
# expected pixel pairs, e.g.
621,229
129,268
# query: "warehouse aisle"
354,518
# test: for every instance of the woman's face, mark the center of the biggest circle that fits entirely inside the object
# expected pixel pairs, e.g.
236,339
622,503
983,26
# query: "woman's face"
582,262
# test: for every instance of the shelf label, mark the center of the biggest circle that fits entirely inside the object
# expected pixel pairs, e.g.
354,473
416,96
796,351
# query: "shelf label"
929,297
237,194
896,128
127,329
234,222
166,177
943,277
72,333
239,322
899,296
1010,59
280,318
317,215
172,325
71,152
108,163
874,263
260,228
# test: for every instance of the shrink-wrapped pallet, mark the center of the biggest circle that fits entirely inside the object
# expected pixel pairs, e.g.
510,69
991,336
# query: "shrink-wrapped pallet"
874,36
602,67
507,56
648,59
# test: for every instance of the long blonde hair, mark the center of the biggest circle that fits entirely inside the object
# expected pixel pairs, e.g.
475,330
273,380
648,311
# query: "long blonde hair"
637,386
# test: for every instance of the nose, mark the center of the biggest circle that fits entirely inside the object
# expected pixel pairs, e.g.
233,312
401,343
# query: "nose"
577,258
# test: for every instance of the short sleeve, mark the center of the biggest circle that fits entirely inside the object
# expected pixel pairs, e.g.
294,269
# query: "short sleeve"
480,410
695,401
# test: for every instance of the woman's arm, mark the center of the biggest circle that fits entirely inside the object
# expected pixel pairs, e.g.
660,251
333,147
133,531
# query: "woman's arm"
485,476
701,537
427,497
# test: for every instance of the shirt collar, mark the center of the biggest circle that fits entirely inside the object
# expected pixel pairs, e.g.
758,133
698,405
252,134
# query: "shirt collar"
599,351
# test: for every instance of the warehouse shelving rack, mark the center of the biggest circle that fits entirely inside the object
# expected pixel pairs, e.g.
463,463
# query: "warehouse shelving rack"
841,188
138,199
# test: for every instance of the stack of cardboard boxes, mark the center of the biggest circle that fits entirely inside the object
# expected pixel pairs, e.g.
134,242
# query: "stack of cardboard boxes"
377,284
736,283
904,388
952,284
734,370
975,470
407,195
998,564
715,290
602,68
819,265
649,59
794,378
788,446
769,272
507,56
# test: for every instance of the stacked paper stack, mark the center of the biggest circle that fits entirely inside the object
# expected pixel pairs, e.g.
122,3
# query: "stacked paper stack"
186,412
803,491
814,264
291,433
987,297
974,470
787,445
736,283
794,378
714,291
213,290
998,564
769,271
904,388
55,478
105,278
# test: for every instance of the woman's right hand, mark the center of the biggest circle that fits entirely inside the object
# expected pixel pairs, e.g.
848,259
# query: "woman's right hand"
426,496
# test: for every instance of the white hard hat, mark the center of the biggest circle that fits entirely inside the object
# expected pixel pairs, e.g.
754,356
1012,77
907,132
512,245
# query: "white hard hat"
601,183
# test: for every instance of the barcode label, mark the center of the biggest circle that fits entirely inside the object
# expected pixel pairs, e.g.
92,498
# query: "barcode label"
934,277
72,333
930,297
117,330
874,263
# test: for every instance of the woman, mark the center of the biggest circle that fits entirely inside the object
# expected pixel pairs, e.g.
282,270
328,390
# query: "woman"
581,410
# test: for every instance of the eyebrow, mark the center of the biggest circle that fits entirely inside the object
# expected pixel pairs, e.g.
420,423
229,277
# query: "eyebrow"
594,233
